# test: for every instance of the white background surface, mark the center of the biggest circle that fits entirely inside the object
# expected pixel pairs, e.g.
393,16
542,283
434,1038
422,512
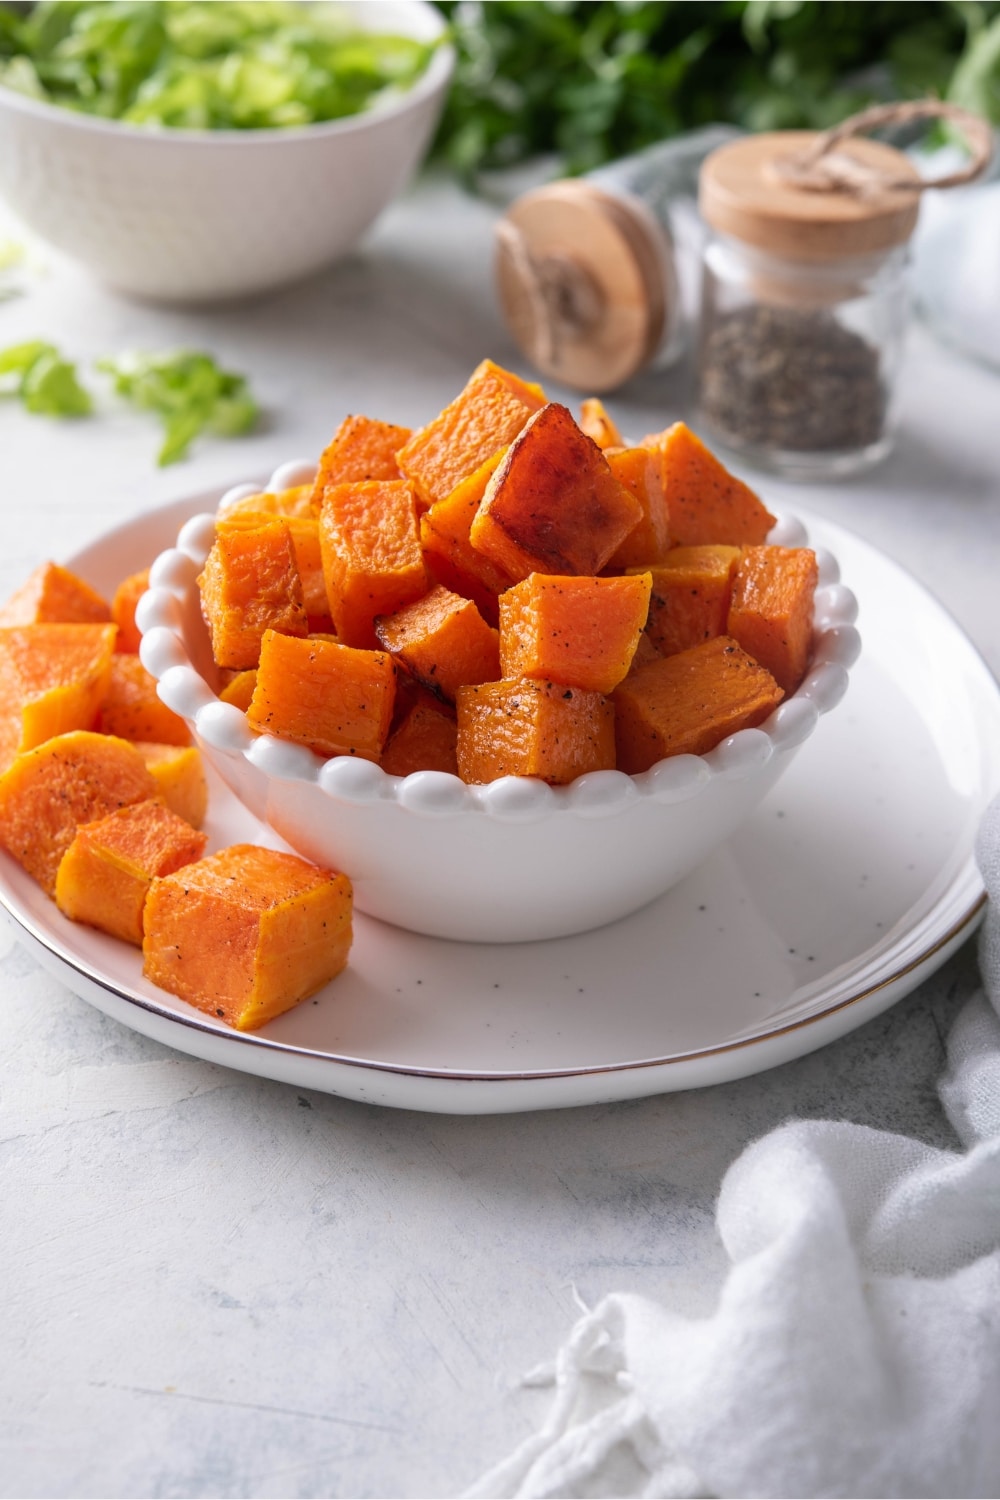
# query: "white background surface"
215,1285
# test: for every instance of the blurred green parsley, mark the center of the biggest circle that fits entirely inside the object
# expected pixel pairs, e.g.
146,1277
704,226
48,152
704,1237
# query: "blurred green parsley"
43,380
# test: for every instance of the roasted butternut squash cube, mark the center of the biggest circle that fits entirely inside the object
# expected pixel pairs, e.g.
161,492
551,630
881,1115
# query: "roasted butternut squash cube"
372,563
238,690
49,791
443,641
707,503
290,503
485,416
247,933
424,739
123,604
771,612
104,876
52,595
529,728
690,597
304,534
179,776
596,423
361,449
648,543
578,631
688,703
250,583
450,556
53,678
334,699
132,709
553,504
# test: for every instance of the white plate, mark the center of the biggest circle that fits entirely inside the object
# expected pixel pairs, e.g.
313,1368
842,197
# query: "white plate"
854,880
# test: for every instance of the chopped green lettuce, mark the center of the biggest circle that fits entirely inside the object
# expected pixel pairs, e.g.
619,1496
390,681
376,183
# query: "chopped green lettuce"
204,64
45,382
188,391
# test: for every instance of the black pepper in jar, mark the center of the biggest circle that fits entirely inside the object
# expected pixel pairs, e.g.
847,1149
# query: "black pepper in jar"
791,379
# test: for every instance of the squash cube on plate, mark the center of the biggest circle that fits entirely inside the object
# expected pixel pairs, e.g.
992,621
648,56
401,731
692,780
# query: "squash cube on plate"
291,503
49,791
104,876
771,611
690,596
686,704
238,689
648,543
707,503
303,532
372,563
132,708
123,603
485,416
443,641
53,678
247,933
528,728
250,583
52,595
334,699
179,777
578,631
553,505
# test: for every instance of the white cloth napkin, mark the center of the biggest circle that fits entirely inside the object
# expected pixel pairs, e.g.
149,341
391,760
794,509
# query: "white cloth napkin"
855,1348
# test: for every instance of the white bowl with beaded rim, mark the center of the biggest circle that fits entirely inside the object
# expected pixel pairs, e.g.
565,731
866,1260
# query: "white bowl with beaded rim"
510,861
194,216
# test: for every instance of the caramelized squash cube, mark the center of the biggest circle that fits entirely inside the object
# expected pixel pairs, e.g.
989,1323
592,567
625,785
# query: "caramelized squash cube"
104,876
53,678
52,595
361,449
648,543
294,503
424,739
485,416
123,603
771,612
707,503
578,631
239,689
528,728
372,563
132,709
596,423
443,641
334,699
687,703
179,776
49,791
250,583
553,504
448,551
247,933
690,598
304,534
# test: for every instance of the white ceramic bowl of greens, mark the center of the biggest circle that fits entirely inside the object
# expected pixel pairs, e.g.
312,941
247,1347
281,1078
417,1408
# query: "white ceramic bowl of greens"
197,215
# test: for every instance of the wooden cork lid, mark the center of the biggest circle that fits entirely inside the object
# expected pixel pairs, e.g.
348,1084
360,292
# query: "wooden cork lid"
585,283
774,192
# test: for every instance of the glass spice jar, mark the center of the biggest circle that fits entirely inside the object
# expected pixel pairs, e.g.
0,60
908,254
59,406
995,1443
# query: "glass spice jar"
598,276
804,301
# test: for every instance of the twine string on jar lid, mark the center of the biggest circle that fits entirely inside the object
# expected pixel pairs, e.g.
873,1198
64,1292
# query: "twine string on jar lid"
822,169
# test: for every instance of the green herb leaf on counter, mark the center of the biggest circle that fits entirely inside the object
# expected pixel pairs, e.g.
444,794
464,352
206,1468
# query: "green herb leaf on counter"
188,391
204,64
43,380
592,80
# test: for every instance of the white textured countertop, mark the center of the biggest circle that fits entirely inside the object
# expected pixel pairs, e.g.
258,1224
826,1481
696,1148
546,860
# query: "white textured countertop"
217,1285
